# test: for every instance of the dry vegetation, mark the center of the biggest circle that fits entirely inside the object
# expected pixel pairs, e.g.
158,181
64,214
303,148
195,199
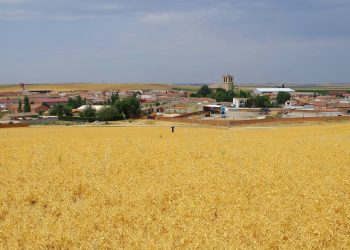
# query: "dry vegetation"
145,188
90,86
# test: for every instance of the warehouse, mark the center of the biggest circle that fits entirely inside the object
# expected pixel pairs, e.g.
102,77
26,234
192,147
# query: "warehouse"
264,91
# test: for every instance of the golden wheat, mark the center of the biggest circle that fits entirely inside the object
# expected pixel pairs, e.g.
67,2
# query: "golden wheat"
146,188
95,87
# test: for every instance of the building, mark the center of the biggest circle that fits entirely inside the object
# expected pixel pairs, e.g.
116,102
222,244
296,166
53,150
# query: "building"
343,107
50,101
267,91
39,109
148,98
212,109
178,109
95,107
227,84
239,102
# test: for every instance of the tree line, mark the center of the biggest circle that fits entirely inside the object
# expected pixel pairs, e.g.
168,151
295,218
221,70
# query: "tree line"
115,109
222,95
24,108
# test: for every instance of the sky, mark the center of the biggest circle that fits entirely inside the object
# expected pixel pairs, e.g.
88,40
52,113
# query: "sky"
178,41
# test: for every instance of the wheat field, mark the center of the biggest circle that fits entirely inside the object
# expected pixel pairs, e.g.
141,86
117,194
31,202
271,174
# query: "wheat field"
94,87
146,188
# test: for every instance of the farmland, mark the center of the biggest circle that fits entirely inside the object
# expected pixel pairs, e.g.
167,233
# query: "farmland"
94,87
109,187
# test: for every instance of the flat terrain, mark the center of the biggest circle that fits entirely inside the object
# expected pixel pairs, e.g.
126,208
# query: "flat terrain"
148,188
91,86
302,87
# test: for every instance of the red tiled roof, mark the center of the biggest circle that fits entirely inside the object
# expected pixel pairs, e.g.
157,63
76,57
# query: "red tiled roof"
50,100
8,101
342,105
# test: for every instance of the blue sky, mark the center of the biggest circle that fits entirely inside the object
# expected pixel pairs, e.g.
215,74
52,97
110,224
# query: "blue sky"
301,41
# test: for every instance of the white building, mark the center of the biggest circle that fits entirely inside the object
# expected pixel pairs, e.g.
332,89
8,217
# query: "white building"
95,107
148,97
263,91
239,102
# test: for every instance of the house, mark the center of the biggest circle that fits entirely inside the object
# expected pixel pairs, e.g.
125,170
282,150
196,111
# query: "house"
320,105
8,101
76,112
39,108
343,107
146,111
50,101
148,98
239,102
178,109
3,108
291,104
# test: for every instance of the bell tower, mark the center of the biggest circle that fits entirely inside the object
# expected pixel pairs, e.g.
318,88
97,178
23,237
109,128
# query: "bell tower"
228,82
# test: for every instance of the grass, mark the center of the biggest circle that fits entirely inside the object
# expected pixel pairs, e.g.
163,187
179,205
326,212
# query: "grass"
148,188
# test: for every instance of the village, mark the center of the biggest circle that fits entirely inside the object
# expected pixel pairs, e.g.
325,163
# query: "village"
224,101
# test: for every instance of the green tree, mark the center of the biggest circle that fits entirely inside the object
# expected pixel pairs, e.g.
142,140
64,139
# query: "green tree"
136,94
57,110
60,110
220,96
130,107
243,94
229,96
109,114
282,97
75,102
114,98
26,107
19,108
259,102
89,112
204,91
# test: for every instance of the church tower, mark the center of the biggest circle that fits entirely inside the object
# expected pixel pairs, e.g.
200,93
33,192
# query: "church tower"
228,82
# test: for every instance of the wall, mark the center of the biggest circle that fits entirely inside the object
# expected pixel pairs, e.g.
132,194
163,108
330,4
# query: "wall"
230,123
17,125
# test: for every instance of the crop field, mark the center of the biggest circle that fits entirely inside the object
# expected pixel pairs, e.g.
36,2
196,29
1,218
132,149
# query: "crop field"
148,188
95,87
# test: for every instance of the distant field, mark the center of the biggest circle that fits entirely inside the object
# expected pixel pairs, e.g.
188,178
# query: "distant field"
303,88
144,86
90,86
148,188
